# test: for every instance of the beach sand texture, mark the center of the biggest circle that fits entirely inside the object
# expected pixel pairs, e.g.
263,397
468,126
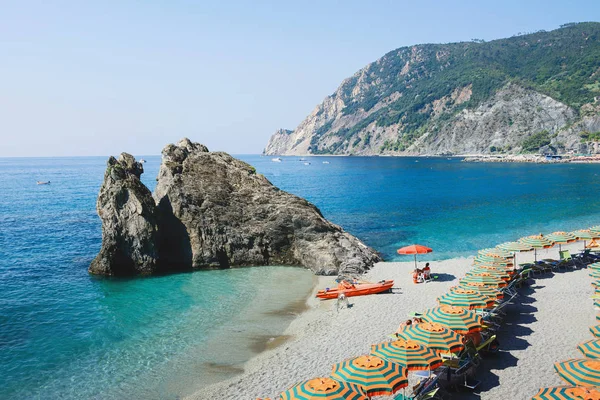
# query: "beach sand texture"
543,325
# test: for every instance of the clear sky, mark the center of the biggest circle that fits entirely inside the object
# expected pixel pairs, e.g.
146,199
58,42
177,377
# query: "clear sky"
101,77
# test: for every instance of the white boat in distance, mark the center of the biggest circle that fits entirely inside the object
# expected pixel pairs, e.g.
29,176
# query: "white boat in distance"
306,163
325,162
276,159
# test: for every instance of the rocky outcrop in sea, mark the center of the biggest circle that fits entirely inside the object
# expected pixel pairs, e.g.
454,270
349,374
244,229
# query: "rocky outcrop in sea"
214,211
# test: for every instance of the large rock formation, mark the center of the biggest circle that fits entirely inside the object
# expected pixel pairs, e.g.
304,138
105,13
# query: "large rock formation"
129,221
215,211
462,98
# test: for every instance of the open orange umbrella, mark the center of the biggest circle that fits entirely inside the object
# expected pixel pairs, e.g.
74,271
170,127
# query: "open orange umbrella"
414,249
324,388
567,393
378,377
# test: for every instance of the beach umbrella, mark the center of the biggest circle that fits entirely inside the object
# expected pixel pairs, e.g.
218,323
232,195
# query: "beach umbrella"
514,247
324,388
499,273
597,317
561,238
595,330
481,288
466,298
595,229
537,242
568,393
595,273
584,372
493,260
484,277
408,353
414,249
495,251
458,319
595,266
585,234
377,376
434,336
590,349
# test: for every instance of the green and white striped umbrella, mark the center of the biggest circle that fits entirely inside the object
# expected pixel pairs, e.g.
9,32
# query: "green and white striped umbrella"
567,393
590,349
408,353
324,388
594,266
584,372
595,274
434,336
595,330
515,247
561,238
502,274
585,235
377,376
482,288
537,242
493,260
486,278
466,298
595,229
458,319
494,251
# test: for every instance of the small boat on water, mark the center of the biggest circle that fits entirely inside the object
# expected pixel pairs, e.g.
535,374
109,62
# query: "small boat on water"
142,160
43,182
306,163
358,289
325,162
302,159
276,159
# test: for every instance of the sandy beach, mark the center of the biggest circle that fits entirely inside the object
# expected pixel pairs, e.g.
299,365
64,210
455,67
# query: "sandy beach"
543,325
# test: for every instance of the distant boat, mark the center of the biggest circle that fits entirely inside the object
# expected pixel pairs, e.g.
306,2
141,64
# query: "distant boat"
302,159
43,182
325,162
306,163
276,159
142,160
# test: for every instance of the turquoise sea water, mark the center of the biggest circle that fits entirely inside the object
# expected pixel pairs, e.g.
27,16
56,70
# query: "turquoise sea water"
65,334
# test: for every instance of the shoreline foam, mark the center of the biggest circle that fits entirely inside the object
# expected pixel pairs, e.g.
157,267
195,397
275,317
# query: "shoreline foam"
321,336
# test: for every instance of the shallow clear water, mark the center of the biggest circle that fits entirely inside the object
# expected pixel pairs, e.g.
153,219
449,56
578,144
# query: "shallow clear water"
65,334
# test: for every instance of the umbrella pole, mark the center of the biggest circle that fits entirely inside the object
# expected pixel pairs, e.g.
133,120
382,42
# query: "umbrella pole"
534,255
415,261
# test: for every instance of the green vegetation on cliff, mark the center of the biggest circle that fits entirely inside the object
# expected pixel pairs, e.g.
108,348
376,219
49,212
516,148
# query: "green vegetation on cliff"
563,64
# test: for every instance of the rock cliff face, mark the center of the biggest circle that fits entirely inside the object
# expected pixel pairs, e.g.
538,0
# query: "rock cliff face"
215,211
129,221
462,98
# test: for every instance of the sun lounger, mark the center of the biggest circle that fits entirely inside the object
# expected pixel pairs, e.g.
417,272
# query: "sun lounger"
426,389
567,261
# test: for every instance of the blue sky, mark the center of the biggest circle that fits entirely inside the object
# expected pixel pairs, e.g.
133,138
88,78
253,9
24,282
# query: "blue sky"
98,78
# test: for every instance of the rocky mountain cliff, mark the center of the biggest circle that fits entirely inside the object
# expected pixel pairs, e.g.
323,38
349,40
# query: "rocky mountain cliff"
528,93
211,210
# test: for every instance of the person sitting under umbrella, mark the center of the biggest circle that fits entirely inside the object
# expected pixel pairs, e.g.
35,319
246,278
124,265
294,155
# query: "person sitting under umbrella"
427,272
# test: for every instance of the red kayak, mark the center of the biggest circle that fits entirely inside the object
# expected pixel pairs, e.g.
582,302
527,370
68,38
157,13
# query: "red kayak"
359,289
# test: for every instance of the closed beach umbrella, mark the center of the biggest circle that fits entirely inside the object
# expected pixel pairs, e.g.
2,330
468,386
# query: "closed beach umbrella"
377,376
495,251
595,330
486,278
585,234
466,298
567,393
458,319
484,269
515,247
408,353
481,288
434,336
537,242
414,249
584,372
561,238
590,349
324,388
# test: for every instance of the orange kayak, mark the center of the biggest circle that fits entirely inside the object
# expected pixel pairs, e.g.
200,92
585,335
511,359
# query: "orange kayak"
360,289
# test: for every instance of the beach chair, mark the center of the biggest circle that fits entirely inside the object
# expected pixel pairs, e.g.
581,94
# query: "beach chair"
567,261
427,389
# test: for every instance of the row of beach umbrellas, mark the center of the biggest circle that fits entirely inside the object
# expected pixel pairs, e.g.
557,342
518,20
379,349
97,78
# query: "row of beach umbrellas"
583,375
384,371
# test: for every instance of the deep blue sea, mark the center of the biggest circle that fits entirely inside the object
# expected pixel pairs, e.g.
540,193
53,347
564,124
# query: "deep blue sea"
67,335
